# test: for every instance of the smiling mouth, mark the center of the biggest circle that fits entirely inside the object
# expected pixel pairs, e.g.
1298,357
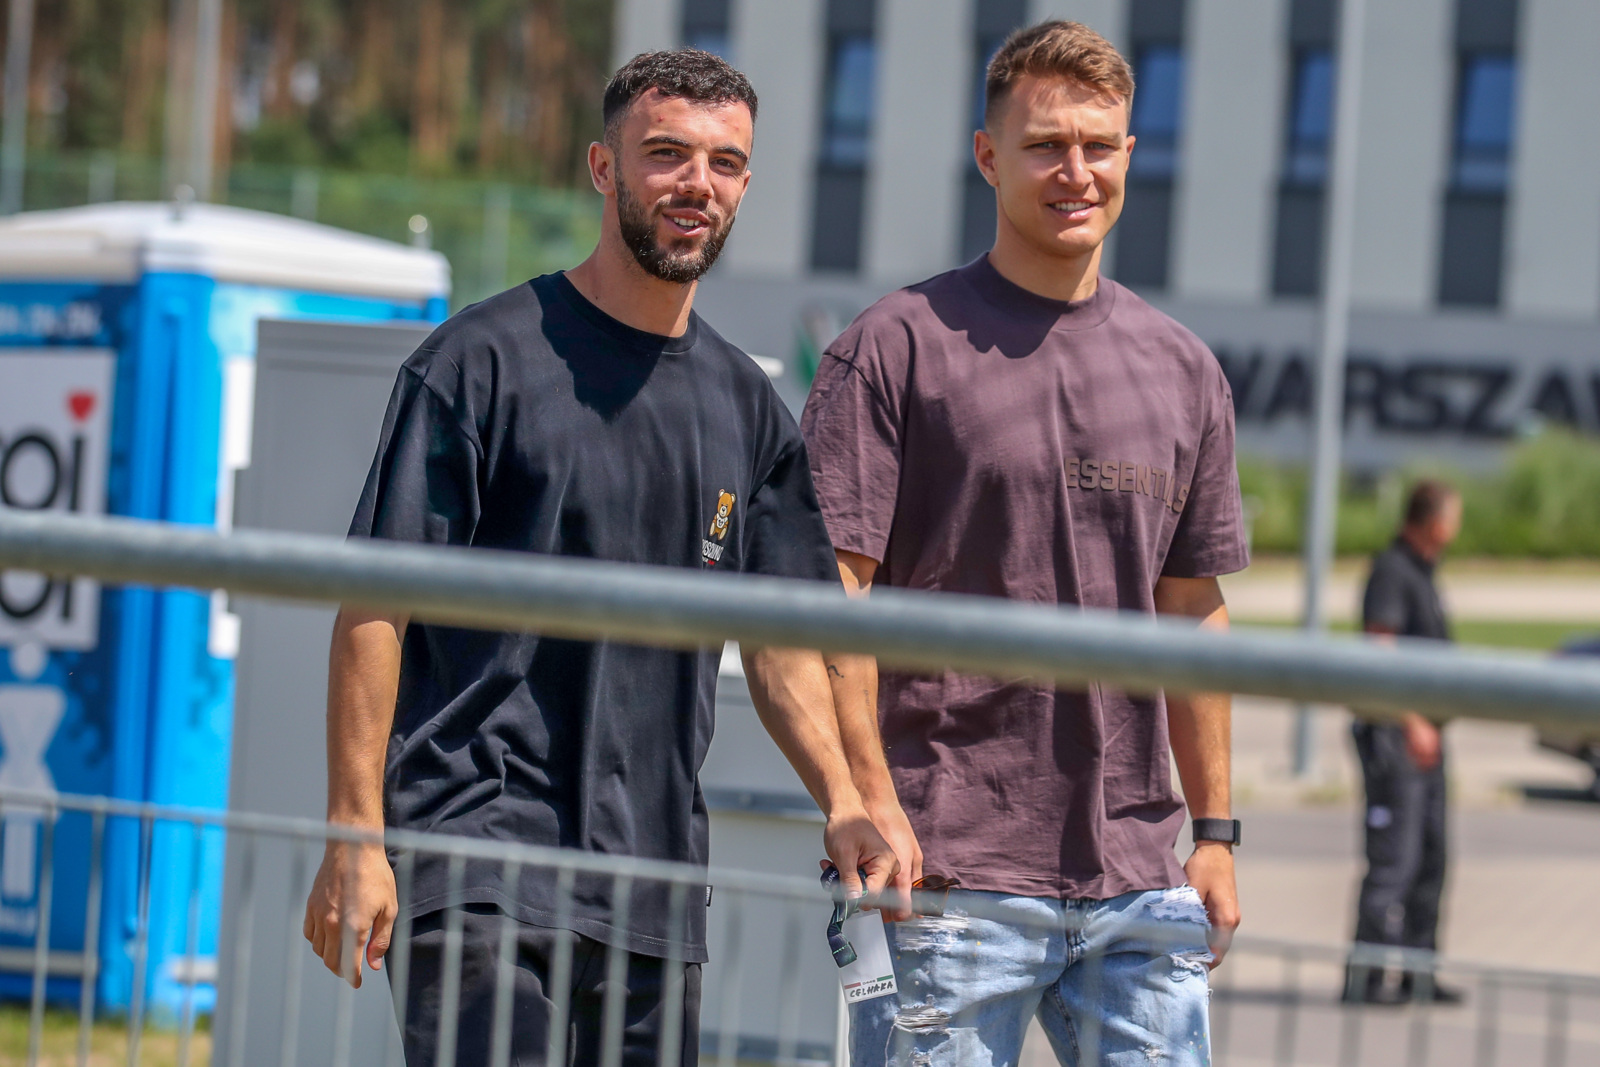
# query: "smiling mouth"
687,225
1072,208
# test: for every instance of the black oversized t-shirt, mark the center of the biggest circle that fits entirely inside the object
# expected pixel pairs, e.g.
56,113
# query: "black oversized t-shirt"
535,422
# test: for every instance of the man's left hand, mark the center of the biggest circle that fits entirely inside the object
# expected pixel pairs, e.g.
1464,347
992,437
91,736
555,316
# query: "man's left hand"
1210,871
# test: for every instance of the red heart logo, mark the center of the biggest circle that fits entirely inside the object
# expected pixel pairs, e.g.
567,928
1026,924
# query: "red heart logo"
81,405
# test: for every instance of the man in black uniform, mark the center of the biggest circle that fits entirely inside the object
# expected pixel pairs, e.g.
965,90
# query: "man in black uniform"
1402,762
589,414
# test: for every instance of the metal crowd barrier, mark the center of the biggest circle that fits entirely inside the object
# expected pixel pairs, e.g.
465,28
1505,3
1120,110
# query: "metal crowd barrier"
1273,1002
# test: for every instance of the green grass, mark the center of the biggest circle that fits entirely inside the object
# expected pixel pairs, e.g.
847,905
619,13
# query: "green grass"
108,1042
1544,503
1492,633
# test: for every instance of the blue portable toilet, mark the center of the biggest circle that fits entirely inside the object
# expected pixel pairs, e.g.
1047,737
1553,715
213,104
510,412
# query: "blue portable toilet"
127,337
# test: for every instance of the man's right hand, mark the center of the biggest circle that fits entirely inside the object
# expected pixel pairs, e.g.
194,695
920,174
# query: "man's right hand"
352,902
1422,741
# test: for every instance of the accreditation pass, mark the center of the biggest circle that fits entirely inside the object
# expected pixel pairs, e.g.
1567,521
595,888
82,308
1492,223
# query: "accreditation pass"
872,974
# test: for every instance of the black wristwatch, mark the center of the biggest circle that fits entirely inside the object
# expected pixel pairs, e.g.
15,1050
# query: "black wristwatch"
1224,830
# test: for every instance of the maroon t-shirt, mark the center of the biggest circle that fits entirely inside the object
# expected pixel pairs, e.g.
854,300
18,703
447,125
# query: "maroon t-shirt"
976,438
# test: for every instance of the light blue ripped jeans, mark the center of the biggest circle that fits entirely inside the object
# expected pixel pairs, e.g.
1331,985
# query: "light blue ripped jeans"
1116,982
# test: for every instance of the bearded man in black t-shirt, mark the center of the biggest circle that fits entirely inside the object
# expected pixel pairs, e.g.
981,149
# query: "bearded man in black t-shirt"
590,414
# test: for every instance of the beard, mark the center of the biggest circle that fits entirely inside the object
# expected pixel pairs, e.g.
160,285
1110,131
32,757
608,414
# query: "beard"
662,259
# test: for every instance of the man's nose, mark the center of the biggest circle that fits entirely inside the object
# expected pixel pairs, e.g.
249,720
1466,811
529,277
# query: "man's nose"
695,178
1075,170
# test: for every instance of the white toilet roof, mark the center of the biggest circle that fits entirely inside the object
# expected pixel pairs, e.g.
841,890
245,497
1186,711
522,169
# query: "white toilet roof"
119,242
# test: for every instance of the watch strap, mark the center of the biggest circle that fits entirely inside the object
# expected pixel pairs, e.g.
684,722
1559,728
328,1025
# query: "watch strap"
1224,830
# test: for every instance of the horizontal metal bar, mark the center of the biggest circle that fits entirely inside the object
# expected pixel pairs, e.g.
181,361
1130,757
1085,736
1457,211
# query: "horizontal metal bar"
672,607
68,964
797,890
282,826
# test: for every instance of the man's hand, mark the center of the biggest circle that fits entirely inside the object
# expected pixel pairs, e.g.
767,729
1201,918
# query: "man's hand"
352,904
892,823
853,843
1210,871
1422,741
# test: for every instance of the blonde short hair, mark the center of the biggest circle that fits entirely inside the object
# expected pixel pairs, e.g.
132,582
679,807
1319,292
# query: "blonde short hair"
1056,49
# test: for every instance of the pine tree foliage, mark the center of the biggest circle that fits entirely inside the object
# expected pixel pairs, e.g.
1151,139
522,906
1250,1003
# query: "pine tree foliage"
482,88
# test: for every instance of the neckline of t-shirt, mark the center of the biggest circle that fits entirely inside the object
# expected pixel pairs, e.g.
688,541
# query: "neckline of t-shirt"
643,340
1070,315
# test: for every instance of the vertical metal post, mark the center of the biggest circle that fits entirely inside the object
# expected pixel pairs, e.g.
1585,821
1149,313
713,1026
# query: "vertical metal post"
304,190
203,109
176,123
14,138
496,238
91,936
41,936
1322,505
103,178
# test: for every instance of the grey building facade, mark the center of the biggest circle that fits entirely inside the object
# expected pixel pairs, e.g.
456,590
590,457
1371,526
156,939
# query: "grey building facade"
1477,288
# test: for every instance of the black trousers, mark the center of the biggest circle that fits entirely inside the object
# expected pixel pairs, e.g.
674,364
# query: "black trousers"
533,1001
1406,826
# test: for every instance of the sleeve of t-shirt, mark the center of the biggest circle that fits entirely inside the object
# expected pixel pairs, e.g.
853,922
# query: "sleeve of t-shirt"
784,535
1210,538
852,429
423,485
1383,605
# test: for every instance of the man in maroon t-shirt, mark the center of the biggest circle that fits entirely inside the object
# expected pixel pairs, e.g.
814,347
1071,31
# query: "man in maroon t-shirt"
1022,427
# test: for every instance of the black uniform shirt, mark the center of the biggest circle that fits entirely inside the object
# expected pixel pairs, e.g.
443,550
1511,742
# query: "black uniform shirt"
535,422
1401,596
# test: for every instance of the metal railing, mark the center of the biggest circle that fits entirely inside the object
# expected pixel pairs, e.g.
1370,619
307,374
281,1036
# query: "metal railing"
1274,1002
581,598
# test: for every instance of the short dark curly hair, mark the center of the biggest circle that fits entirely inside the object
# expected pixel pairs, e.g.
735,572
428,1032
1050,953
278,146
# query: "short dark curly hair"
690,73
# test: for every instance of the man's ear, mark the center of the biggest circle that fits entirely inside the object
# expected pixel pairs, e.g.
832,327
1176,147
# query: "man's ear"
602,168
983,154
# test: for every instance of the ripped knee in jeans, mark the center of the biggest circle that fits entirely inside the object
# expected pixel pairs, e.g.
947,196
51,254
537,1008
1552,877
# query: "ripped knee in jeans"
924,1037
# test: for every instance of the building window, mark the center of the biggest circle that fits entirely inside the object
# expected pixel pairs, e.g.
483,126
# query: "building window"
1144,233
1310,118
1297,251
847,122
994,21
1157,112
1484,117
1307,150
1472,250
849,96
707,26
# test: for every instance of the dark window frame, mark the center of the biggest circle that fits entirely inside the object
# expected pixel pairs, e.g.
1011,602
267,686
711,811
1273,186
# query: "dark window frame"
844,156
1144,232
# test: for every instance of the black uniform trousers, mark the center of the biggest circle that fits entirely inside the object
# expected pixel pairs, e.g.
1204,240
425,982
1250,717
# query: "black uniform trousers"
533,1001
1405,822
